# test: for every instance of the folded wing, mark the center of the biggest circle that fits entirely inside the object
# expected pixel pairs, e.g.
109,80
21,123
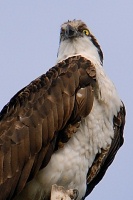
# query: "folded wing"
41,118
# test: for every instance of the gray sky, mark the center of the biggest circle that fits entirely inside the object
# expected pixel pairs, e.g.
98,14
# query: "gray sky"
29,38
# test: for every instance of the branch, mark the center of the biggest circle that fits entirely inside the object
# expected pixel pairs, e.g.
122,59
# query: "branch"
60,193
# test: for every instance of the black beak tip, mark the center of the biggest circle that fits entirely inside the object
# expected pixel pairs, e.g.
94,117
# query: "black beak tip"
70,31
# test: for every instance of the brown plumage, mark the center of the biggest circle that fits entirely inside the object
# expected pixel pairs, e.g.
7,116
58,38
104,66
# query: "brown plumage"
40,119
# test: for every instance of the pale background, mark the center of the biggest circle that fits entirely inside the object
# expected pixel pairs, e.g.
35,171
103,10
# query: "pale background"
29,38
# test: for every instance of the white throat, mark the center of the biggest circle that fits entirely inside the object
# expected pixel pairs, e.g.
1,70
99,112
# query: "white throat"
79,46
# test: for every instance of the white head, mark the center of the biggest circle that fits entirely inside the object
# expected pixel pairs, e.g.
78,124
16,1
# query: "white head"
76,39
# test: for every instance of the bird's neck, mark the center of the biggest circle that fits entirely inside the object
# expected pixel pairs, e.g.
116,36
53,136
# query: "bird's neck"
78,46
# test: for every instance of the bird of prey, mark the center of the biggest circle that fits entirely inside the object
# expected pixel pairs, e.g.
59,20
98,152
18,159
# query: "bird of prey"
65,127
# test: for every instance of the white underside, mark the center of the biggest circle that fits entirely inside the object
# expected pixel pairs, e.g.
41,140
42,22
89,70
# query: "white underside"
68,166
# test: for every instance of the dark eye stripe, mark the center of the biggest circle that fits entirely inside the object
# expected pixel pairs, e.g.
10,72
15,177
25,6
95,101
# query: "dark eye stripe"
62,31
93,39
82,27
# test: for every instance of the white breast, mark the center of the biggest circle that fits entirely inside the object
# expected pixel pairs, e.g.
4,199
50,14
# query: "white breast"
68,166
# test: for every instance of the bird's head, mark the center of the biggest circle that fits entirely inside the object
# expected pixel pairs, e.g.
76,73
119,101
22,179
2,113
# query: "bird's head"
76,39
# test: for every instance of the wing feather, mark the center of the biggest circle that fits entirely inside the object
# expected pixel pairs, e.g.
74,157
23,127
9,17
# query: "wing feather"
104,159
39,118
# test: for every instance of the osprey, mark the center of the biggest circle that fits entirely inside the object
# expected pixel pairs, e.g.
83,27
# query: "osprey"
65,127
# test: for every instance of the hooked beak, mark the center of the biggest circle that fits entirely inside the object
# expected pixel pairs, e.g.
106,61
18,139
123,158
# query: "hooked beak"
70,32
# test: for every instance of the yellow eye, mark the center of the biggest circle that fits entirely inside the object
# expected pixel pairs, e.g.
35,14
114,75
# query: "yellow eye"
86,32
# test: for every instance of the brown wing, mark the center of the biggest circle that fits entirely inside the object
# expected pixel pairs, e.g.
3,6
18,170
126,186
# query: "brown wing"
40,118
106,157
